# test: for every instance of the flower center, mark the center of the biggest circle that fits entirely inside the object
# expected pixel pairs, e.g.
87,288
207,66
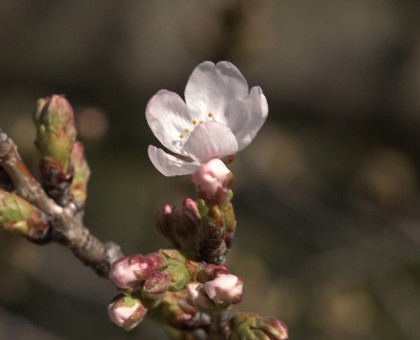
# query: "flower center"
194,124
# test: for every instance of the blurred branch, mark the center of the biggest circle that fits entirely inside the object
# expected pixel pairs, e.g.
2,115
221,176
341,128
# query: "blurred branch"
67,227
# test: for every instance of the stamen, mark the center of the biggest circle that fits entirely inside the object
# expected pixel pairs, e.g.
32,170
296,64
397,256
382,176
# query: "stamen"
181,136
194,122
210,115
201,122
187,130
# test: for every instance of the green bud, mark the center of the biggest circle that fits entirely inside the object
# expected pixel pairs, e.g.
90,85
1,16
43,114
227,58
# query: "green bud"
252,326
78,191
56,131
175,311
20,217
177,269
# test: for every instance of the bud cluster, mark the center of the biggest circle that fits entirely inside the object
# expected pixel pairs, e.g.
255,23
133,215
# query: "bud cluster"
146,279
64,171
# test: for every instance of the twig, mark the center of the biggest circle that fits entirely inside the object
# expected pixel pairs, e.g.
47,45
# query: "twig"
68,229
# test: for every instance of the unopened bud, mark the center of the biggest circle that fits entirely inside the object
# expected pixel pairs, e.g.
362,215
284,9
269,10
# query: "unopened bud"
129,272
20,217
177,269
126,312
193,205
210,271
178,313
78,189
198,297
213,181
225,289
218,294
164,227
252,326
186,226
155,285
56,131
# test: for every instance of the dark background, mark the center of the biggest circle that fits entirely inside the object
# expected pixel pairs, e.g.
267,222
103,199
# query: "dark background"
326,197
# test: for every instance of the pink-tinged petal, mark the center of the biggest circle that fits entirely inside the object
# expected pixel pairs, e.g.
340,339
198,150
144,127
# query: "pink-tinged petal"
247,115
211,140
170,165
168,117
211,87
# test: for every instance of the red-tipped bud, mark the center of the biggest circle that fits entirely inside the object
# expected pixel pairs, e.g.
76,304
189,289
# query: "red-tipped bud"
252,326
164,227
126,311
155,285
210,271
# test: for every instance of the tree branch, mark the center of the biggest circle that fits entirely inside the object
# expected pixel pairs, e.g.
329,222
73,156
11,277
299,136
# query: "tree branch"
68,228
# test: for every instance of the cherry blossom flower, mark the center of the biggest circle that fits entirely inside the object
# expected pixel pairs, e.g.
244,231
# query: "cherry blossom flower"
220,116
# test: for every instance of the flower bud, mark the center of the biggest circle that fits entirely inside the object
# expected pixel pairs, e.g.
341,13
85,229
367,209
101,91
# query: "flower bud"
176,268
198,297
164,227
56,131
218,294
186,226
210,271
155,285
78,189
126,312
20,217
252,326
175,311
225,289
129,272
155,261
193,205
213,180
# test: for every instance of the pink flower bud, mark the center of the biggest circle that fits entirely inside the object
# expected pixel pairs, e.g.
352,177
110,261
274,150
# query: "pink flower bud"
252,326
126,311
193,205
275,328
129,272
211,178
225,289
198,297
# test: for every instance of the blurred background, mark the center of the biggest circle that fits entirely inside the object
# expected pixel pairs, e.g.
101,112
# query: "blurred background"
327,196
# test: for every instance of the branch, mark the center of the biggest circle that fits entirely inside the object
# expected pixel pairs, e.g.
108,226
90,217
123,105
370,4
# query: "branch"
67,227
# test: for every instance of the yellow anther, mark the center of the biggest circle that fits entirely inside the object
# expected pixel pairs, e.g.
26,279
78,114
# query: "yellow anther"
194,122
201,122
181,136
187,130
210,115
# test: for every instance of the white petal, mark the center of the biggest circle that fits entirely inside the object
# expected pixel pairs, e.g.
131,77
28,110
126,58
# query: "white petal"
211,87
170,165
211,140
247,115
168,117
